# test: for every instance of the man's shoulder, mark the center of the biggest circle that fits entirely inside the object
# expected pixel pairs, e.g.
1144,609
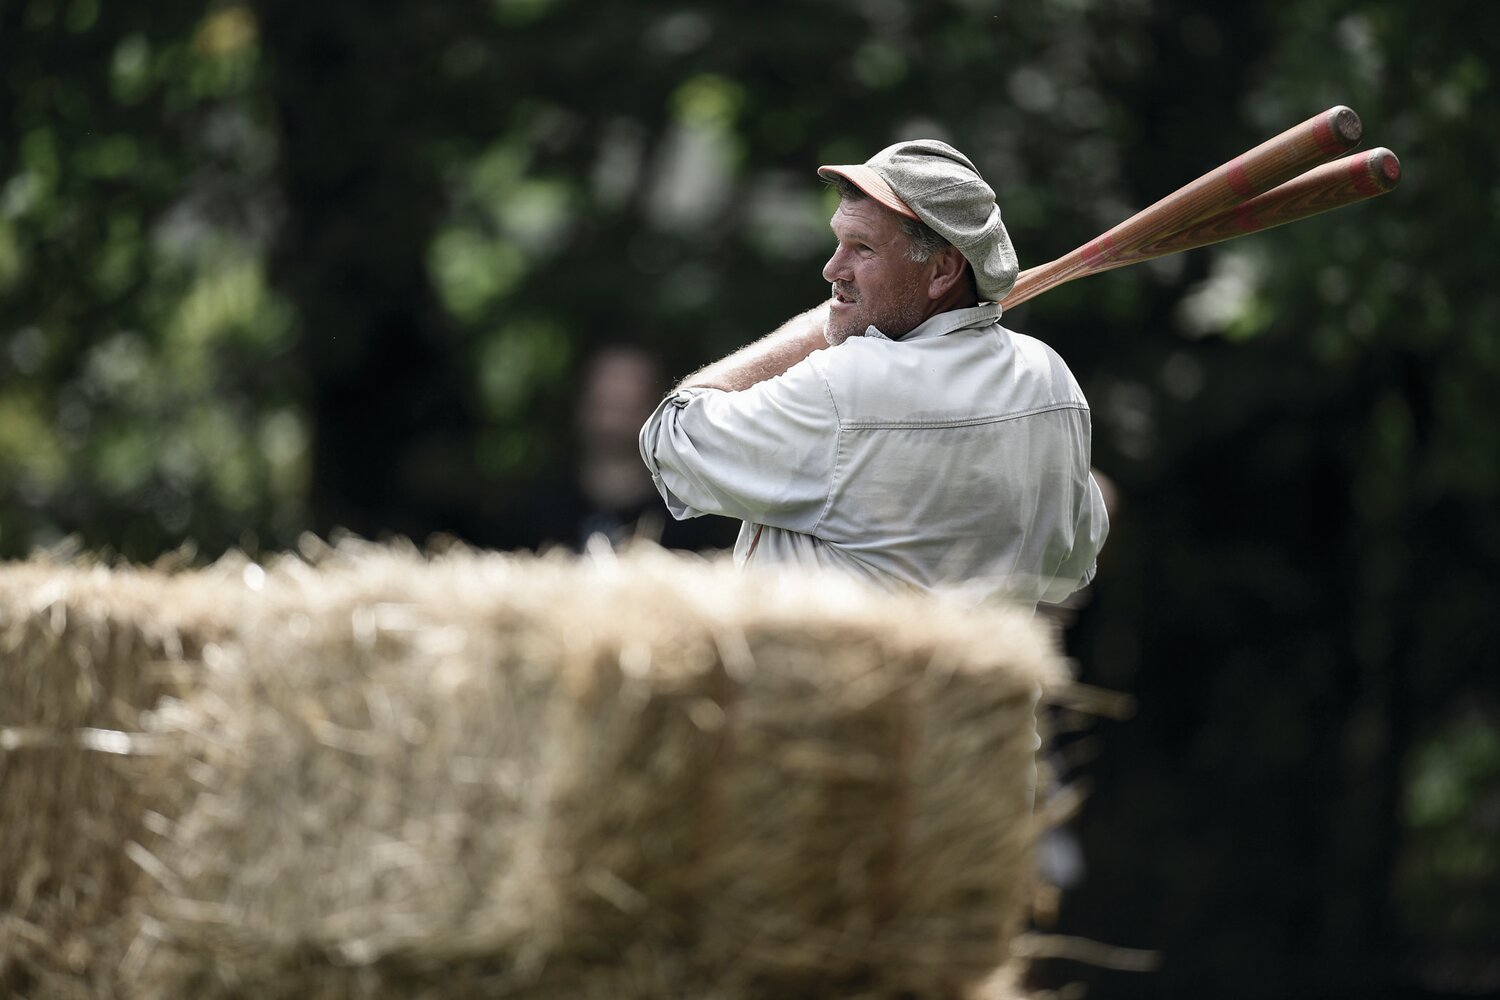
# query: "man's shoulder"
1042,363
990,369
867,367
1037,354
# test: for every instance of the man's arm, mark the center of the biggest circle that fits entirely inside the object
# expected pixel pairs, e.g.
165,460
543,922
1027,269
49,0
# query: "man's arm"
762,447
768,357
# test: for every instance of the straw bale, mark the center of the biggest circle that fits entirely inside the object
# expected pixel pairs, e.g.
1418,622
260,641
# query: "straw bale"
364,764
378,773
84,651
646,777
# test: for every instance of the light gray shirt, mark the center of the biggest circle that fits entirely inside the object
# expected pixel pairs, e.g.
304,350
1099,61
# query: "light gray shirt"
955,457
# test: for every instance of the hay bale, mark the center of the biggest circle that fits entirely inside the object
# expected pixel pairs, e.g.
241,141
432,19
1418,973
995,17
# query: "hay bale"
829,834
657,775
381,774
363,756
84,651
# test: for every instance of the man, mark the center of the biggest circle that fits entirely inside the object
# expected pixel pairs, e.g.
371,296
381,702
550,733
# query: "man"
897,431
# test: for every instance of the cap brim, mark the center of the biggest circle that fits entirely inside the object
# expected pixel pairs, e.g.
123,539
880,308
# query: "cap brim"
871,184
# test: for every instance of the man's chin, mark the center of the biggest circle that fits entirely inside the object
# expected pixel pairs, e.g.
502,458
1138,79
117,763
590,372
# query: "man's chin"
837,334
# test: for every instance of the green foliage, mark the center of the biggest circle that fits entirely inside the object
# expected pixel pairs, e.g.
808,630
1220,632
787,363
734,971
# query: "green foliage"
143,336
1450,873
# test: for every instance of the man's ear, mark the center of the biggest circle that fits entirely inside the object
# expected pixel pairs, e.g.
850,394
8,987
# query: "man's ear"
948,271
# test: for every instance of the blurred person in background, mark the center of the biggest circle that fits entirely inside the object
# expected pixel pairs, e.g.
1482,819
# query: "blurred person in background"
897,431
607,491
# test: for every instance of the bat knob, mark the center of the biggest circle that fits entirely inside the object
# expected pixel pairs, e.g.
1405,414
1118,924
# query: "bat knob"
1346,124
1390,167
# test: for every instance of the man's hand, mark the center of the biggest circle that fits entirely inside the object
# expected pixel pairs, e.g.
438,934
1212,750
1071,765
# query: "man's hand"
767,357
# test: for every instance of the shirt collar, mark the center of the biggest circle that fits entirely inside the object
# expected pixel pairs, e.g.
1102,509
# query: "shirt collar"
984,314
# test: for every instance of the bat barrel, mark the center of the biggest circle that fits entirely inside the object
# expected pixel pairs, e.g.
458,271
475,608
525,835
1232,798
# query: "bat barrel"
1275,161
1321,189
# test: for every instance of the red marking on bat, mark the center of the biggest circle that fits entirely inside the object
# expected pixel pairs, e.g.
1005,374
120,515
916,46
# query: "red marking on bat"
1234,176
1364,181
1246,219
1101,249
1391,167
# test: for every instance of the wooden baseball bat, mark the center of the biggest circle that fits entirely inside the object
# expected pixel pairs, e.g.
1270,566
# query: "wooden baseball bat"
1332,185
1254,172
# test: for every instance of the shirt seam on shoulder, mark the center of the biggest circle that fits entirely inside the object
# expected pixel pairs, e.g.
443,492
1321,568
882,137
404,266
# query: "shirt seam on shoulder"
992,418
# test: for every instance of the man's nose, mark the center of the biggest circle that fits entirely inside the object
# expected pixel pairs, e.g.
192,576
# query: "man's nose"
837,268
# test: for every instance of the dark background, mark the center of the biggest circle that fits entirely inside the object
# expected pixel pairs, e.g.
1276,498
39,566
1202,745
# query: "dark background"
275,267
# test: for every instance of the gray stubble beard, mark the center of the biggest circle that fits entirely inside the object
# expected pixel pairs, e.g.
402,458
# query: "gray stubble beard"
895,326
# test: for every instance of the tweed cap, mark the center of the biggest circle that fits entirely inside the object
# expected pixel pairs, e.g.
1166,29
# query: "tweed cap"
930,181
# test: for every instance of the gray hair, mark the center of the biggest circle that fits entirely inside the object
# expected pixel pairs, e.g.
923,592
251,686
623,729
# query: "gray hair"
925,241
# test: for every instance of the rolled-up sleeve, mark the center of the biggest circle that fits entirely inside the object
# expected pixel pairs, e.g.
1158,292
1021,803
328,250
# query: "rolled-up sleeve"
765,454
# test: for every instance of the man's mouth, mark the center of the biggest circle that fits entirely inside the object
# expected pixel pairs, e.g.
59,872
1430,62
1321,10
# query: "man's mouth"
842,297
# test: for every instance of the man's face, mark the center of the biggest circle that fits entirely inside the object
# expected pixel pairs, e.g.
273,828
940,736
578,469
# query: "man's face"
874,281
620,390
